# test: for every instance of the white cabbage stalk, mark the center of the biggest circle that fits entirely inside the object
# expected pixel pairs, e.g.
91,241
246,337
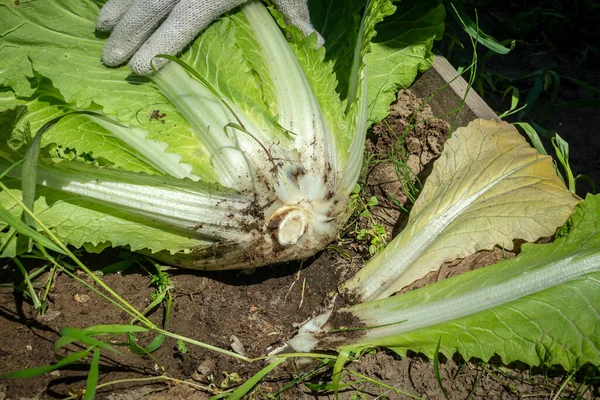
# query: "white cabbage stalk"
278,195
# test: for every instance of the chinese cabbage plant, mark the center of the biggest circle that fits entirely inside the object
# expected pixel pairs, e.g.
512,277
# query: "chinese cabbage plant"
242,154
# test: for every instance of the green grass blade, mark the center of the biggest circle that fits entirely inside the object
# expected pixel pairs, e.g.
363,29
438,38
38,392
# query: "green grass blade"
24,229
436,368
119,266
8,169
156,343
30,277
113,329
338,368
62,342
365,378
92,380
204,345
533,136
250,383
37,371
152,347
583,85
163,292
514,102
473,30
328,387
36,301
29,174
552,81
83,337
561,148
155,303
533,95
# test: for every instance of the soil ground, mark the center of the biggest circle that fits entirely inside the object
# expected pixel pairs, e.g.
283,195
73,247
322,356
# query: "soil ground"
254,312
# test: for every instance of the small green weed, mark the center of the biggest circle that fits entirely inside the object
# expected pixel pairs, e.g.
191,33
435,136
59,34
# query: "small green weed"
375,235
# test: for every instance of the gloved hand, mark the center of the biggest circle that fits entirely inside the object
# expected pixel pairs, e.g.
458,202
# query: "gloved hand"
139,35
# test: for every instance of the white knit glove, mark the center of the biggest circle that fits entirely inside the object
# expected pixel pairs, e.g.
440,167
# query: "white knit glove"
144,28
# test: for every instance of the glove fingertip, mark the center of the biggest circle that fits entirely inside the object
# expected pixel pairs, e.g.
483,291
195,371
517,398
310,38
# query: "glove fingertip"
105,25
141,65
107,19
111,13
113,56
